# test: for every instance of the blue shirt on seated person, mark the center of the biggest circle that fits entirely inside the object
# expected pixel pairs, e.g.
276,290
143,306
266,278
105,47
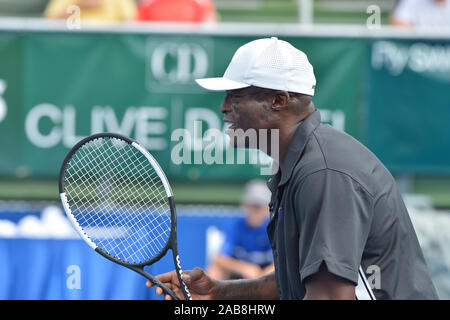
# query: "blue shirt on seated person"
246,252
248,243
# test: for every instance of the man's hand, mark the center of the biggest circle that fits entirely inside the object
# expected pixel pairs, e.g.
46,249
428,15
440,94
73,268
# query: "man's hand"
200,285
203,287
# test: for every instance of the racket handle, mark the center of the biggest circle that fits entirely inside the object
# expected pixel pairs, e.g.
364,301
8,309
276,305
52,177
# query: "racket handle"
155,281
164,288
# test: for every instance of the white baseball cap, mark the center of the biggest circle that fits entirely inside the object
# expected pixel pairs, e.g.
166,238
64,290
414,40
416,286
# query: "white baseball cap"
256,193
267,63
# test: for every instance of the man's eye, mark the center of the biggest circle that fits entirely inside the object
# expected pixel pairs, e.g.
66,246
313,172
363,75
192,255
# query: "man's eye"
233,104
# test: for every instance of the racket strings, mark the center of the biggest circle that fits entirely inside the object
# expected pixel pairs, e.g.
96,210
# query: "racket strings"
122,202
153,176
137,239
93,218
118,199
132,244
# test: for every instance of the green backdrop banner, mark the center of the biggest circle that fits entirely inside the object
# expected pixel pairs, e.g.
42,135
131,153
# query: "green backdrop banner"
58,87
409,105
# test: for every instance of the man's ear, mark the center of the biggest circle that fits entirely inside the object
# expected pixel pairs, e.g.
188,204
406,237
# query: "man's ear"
280,100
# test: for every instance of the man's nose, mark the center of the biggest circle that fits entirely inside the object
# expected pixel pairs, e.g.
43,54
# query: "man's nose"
226,105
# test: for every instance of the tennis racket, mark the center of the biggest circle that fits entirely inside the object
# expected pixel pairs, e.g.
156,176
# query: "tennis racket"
120,202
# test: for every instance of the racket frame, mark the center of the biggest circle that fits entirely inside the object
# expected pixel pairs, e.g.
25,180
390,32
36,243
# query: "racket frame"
172,240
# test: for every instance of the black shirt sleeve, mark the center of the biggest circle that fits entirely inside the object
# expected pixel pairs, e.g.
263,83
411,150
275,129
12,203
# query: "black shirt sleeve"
333,213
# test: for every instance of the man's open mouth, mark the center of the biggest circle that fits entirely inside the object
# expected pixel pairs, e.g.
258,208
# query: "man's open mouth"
229,125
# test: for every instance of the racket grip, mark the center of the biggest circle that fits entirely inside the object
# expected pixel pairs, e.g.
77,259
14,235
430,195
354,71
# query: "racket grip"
164,288
155,281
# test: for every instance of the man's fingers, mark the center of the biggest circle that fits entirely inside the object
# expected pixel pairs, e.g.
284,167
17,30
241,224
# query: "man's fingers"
170,280
176,289
193,275
159,292
166,277
151,284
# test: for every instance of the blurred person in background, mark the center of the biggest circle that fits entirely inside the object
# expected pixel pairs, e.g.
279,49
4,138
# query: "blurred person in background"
193,11
421,13
246,252
93,10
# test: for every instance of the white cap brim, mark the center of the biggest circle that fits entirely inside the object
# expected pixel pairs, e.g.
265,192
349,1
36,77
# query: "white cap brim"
220,84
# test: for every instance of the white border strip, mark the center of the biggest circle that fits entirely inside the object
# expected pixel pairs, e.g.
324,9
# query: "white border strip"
74,221
228,29
363,289
157,168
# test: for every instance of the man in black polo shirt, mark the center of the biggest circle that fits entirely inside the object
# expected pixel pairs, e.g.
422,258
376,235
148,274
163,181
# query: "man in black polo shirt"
337,217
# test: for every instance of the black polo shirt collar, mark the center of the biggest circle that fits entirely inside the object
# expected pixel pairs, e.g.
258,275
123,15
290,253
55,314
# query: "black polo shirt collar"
295,149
